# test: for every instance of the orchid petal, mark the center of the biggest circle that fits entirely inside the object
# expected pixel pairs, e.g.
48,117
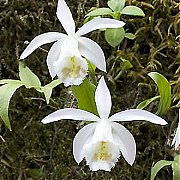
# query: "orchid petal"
65,17
125,141
70,113
176,139
99,23
81,138
40,40
103,99
93,52
53,56
137,115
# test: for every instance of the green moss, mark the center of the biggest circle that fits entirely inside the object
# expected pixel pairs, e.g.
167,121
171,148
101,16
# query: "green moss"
45,151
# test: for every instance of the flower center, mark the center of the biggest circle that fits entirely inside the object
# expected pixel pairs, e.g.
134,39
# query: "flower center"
101,155
73,69
103,152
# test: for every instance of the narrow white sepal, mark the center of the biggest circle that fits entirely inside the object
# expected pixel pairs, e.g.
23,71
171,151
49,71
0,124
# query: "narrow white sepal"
137,115
103,99
99,23
65,17
40,40
70,113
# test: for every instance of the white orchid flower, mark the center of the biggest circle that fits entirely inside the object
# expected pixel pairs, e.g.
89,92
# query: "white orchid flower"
101,142
176,139
66,58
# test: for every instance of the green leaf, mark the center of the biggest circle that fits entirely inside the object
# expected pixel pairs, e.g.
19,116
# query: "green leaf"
164,89
28,77
6,92
114,36
145,103
35,173
89,18
176,168
47,89
9,81
130,36
53,83
133,11
91,69
158,166
116,5
125,65
99,12
84,94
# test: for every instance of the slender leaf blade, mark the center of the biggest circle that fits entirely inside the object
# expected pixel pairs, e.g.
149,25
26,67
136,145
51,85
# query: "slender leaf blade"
6,92
9,81
176,167
146,102
158,166
164,89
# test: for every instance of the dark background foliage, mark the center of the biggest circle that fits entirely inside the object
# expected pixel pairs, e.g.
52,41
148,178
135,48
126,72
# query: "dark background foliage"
36,151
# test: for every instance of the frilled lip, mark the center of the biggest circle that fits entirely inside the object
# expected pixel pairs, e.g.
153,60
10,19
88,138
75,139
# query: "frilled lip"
105,132
71,70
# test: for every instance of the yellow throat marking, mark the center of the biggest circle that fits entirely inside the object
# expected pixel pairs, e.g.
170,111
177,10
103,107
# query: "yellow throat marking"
73,69
102,153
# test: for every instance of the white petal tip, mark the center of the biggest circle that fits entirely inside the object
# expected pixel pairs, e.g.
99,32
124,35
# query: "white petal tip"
52,76
163,123
22,57
131,163
123,23
44,122
104,70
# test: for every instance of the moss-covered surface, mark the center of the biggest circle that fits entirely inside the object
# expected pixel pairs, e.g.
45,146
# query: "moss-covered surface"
37,151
